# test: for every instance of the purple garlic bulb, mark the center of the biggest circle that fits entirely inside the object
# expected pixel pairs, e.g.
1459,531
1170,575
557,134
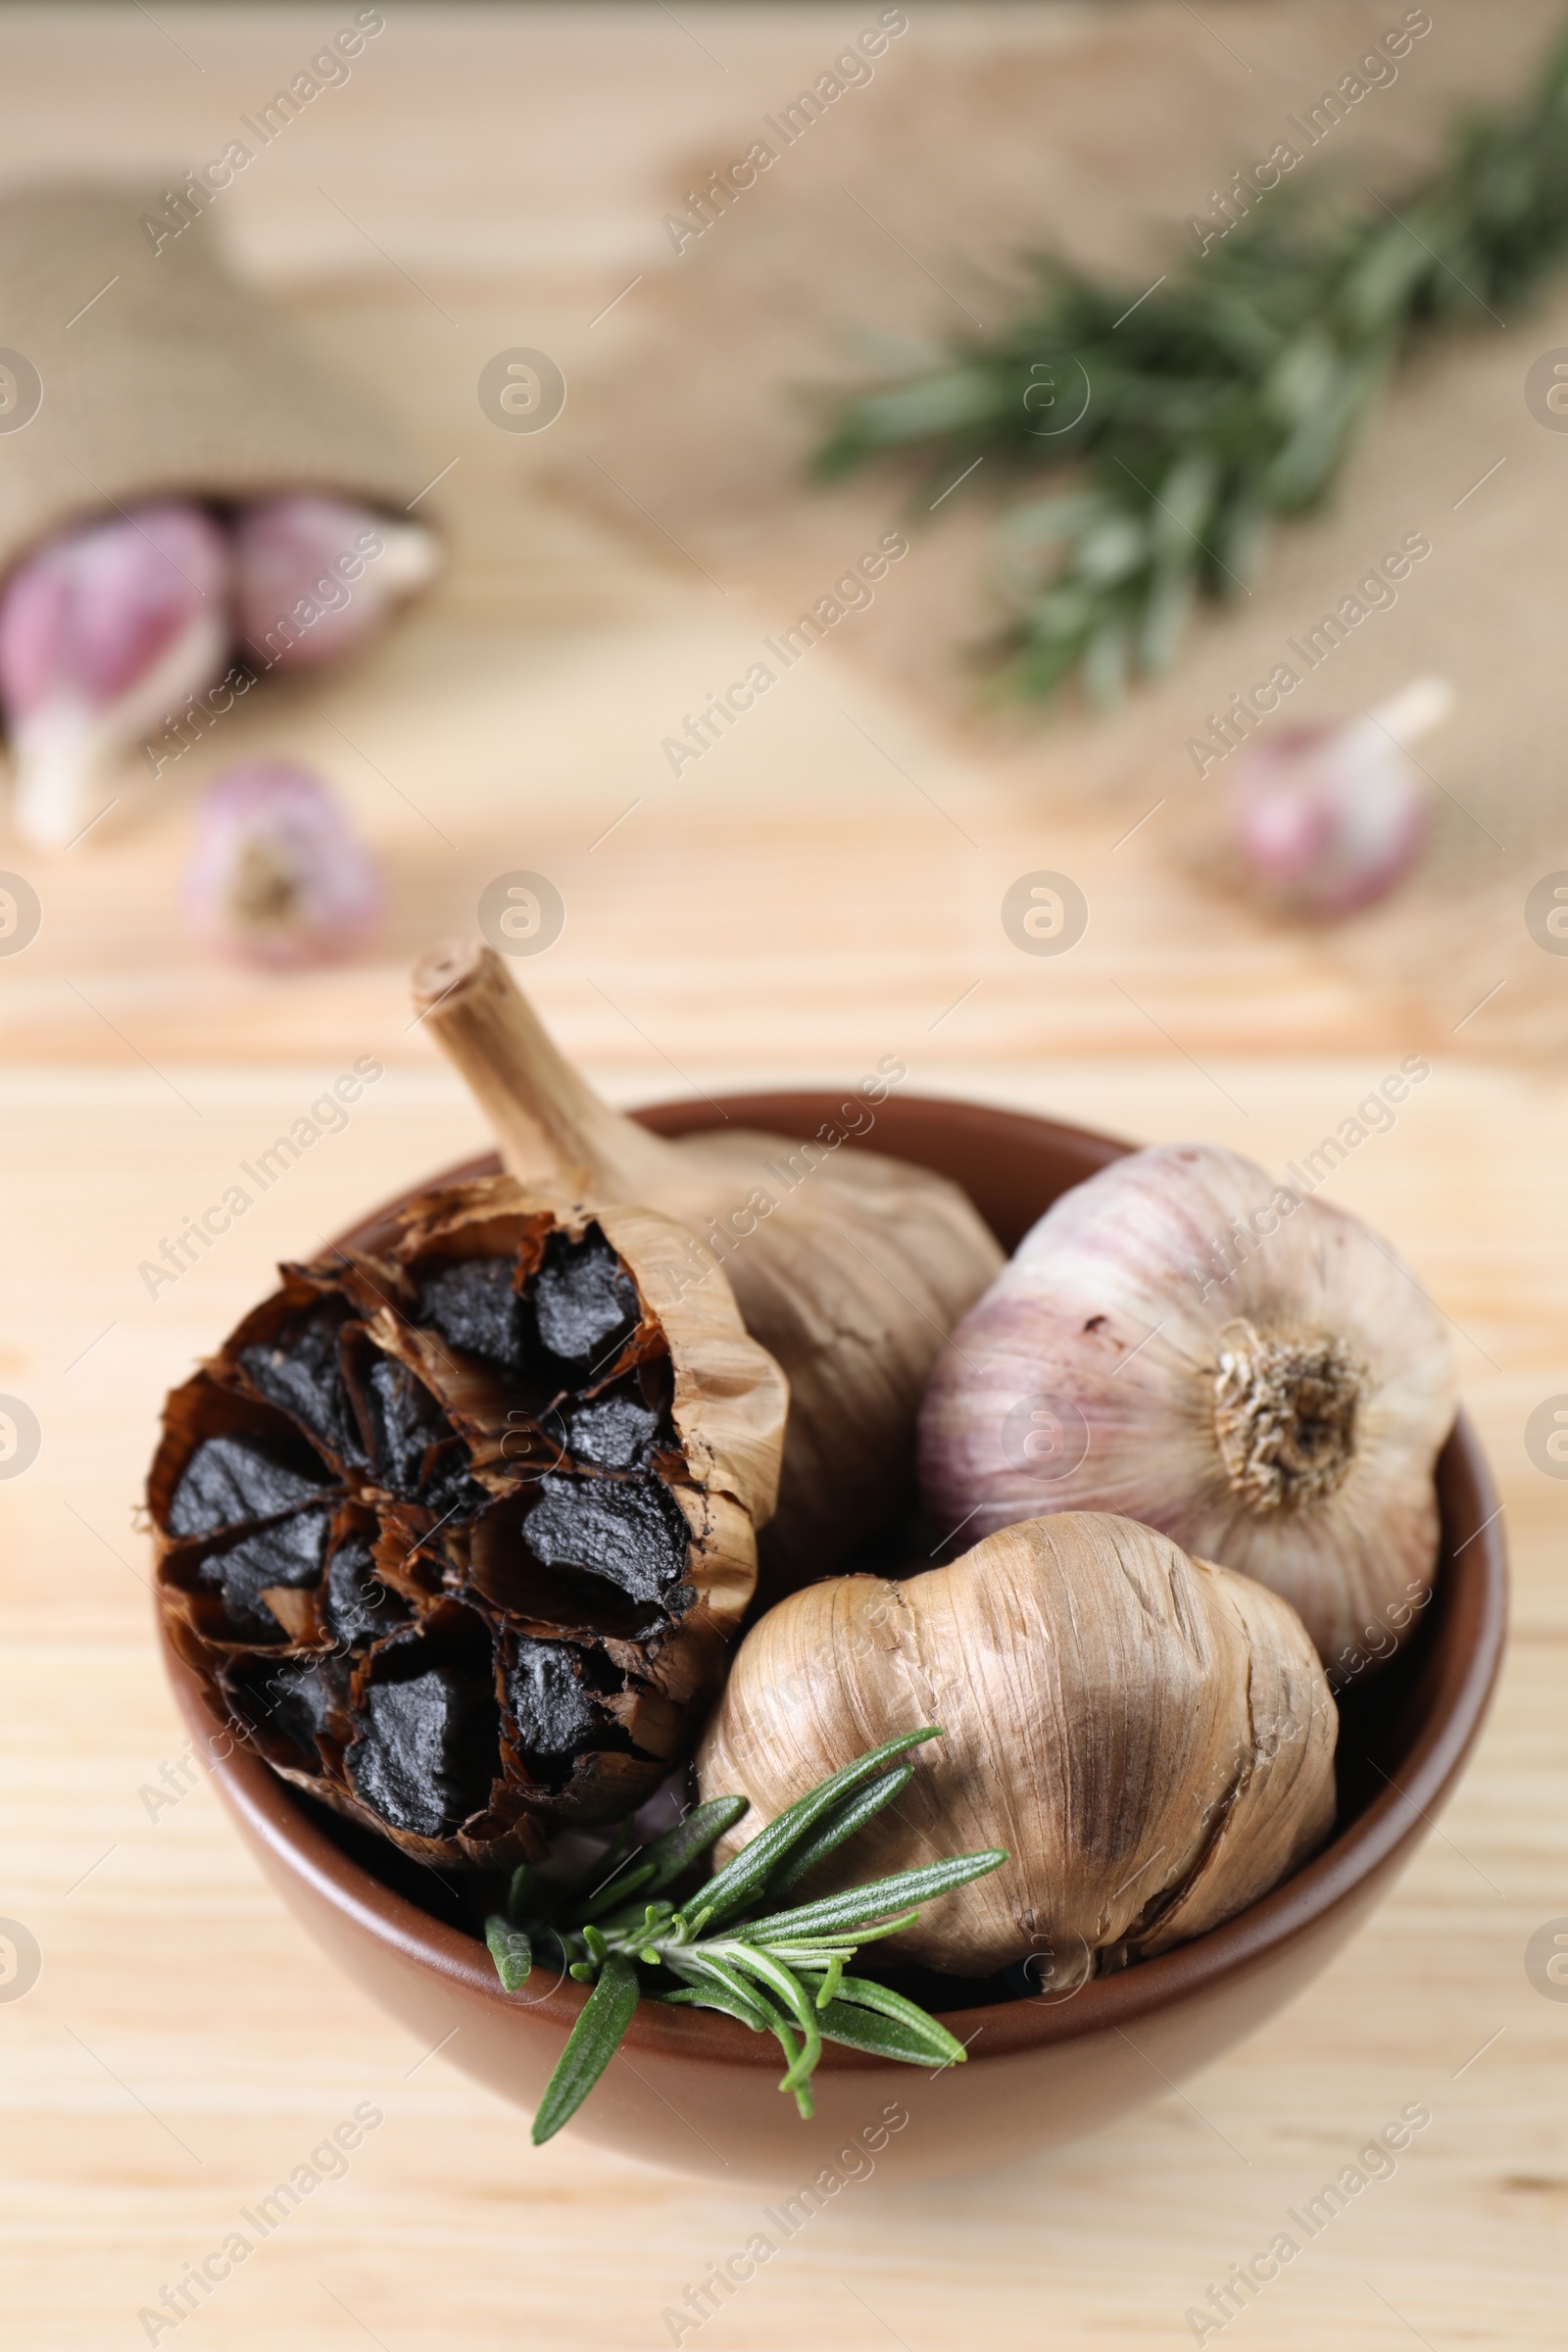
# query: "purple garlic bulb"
101,631
1330,818
278,875
1244,1365
314,576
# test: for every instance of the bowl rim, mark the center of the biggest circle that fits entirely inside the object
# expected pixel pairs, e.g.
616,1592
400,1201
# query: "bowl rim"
284,1822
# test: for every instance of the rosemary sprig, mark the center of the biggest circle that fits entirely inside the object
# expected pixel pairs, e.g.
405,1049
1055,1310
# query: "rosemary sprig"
728,1945
1227,397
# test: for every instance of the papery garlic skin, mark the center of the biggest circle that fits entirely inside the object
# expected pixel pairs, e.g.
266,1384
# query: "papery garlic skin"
1184,1341
556,1548
314,576
1149,1737
278,874
101,632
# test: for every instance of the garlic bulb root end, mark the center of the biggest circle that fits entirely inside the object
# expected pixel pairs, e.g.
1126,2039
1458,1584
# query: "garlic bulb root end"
1285,1413
1233,1360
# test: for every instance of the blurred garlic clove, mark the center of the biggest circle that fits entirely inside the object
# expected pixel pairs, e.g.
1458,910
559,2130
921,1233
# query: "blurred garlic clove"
278,875
314,576
1330,818
101,631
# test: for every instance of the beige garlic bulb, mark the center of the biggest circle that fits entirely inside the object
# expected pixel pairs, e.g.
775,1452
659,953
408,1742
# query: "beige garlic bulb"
1149,1737
1184,1341
849,1267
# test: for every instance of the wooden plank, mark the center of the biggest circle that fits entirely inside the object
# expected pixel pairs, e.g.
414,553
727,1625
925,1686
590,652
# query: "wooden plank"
167,1961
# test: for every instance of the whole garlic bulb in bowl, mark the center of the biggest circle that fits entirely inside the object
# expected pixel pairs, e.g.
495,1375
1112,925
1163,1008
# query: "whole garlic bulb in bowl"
1185,1342
1148,1737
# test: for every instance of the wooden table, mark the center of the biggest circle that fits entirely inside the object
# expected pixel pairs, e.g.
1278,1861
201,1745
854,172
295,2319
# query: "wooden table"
786,916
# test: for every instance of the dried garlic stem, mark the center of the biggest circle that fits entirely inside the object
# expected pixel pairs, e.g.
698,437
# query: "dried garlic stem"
548,1121
849,1268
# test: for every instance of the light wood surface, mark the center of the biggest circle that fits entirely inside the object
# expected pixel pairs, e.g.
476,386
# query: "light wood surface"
789,916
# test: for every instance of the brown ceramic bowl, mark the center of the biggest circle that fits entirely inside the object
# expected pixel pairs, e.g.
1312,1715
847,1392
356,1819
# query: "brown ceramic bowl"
694,2090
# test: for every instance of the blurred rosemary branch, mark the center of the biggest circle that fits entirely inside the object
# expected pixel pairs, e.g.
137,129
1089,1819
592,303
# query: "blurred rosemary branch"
1227,397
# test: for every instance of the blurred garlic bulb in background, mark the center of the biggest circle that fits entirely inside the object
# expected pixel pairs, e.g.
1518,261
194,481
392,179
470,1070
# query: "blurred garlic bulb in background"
101,632
1330,818
1150,1738
315,575
1185,1342
278,875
